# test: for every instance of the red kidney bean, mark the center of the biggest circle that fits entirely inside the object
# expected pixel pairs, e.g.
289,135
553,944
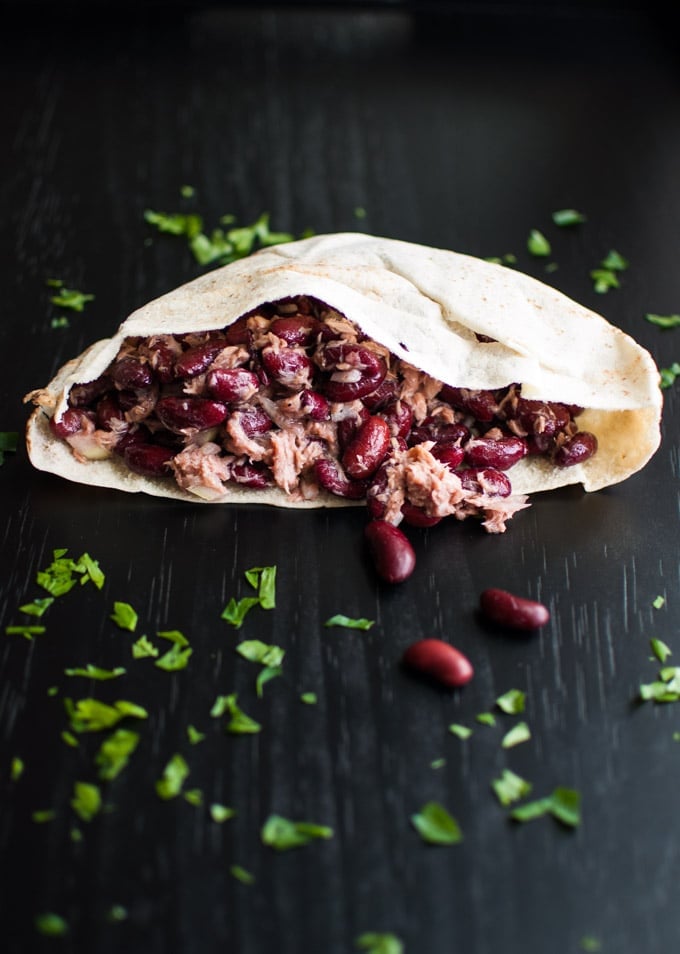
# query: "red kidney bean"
69,423
108,410
385,393
198,359
238,333
295,330
485,480
393,556
348,426
315,405
501,453
541,417
450,454
482,405
252,474
399,416
439,660
512,611
576,449
178,414
331,479
377,486
288,367
149,460
367,449
233,385
81,395
130,374
366,370
416,516
163,362
254,421
437,429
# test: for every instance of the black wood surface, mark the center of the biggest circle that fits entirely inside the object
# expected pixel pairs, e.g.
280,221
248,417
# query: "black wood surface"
463,131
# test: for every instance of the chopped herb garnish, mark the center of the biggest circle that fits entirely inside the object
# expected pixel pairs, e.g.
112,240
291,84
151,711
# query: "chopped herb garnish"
436,826
518,734
28,632
512,701
221,813
51,925
668,375
564,217
590,944
194,736
114,753
59,576
91,570
116,914
666,689
174,776
283,834
175,223
86,801
245,877
538,244
348,622
143,647
95,672
564,804
309,698
38,606
615,261
462,731
124,616
438,763
187,191
70,739
235,612
239,723
16,769
660,649
658,602
194,796
42,815
264,676
359,212
507,259
486,718
178,655
263,579
256,651
9,441
90,715
510,787
604,279
379,943
68,297
664,321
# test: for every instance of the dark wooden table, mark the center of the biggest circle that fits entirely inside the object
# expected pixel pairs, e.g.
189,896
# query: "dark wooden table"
457,129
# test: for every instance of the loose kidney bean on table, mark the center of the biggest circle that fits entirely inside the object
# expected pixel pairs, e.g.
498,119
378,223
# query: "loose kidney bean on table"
515,612
393,556
439,660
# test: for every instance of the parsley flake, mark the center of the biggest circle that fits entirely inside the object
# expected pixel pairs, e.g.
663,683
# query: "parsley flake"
245,877
194,736
668,375
174,776
658,602
309,698
95,672
282,834
9,441
510,787
512,701
436,826
114,753
664,321
239,723
564,804
124,616
538,244
28,632
374,942
68,297
51,925
143,647
348,622
86,801
38,606
16,768
461,731
221,813
660,649
90,715
518,734
178,655
565,217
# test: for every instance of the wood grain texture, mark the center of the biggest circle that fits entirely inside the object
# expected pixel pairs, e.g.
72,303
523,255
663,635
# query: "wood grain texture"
459,131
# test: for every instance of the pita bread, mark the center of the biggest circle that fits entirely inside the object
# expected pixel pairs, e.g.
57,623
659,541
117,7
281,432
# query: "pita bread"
427,306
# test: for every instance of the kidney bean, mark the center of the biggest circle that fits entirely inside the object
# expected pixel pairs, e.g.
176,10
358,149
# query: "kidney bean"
437,429
108,410
238,333
440,661
485,480
81,395
500,453
450,454
233,385
296,329
196,360
178,414
364,371
331,479
163,362
399,416
367,449
149,460
512,611
385,393
393,556
348,426
288,367
576,449
254,421
252,474
482,405
377,486
416,516
69,423
315,405
130,374
541,417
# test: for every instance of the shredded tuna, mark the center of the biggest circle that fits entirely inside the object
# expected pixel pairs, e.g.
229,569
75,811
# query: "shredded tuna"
292,453
202,468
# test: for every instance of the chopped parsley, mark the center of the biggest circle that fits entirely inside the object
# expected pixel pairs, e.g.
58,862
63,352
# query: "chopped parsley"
282,834
665,689
660,649
124,616
518,734
262,579
116,914
178,655
194,736
239,723
590,944
565,217
664,321
668,375
194,796
245,877
42,815
512,701
606,277
269,657
51,925
174,776
658,602
461,731
95,672
436,826
16,769
510,787
309,698
379,943
38,606
538,244
91,715
60,576
486,718
221,813
68,738
9,441
86,801
28,632
143,647
114,753
68,297
348,622
564,804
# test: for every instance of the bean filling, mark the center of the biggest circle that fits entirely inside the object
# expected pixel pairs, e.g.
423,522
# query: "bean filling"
295,396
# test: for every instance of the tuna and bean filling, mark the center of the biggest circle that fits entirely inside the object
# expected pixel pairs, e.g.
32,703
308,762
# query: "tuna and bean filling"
294,396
